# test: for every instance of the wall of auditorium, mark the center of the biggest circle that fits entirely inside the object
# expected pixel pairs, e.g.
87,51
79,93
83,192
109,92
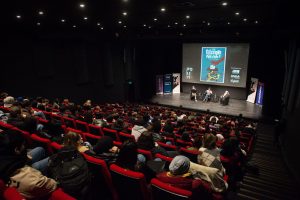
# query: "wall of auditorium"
75,66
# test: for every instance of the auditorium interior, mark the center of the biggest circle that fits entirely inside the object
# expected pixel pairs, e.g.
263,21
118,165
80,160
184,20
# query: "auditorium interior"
101,58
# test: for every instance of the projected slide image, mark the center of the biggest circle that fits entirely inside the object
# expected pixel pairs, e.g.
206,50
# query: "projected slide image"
213,61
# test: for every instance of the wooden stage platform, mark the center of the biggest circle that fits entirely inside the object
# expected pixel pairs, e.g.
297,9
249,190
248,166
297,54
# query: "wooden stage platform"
234,108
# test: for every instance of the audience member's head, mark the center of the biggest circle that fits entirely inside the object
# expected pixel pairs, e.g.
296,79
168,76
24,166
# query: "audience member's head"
128,155
180,165
8,101
209,141
103,145
72,139
146,141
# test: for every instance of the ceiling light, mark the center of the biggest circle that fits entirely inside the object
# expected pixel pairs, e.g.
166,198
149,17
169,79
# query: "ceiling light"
181,34
149,26
203,22
144,25
245,19
74,26
120,22
176,23
85,18
124,26
184,25
228,23
155,19
125,13
256,22
208,23
41,12
125,0
38,23
237,13
102,28
62,20
224,3
169,26
187,16
98,24
162,9
18,16
82,5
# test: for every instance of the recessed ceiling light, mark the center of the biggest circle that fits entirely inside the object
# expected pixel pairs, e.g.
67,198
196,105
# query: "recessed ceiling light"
102,28
144,25
85,18
163,9
149,27
125,0
82,5
41,12
256,22
184,25
38,23
208,23
120,22
18,16
237,13
181,34
125,13
74,26
245,19
176,23
155,19
169,26
228,23
124,26
224,3
62,20
187,16
203,22
98,24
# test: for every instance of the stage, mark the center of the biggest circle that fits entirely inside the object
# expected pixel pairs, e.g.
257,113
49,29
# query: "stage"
234,108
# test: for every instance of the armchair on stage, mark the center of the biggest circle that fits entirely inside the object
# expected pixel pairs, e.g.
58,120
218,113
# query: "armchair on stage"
224,99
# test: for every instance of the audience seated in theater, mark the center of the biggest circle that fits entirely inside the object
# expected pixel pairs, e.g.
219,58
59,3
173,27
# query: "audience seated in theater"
197,143
168,129
15,167
119,125
210,155
179,176
75,140
138,129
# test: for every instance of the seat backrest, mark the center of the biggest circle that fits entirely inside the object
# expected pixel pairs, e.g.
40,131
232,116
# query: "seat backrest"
161,190
111,133
126,136
184,144
69,122
146,153
167,146
83,126
38,141
101,178
95,130
9,193
92,139
129,184
191,154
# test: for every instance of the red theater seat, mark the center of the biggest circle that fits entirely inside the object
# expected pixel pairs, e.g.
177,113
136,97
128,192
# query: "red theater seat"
161,190
129,184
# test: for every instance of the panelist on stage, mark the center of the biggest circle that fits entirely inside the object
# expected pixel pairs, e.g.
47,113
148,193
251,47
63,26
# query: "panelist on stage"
224,99
208,94
193,95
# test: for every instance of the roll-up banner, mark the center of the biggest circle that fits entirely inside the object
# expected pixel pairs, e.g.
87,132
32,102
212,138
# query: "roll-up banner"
176,83
252,90
159,84
168,83
260,93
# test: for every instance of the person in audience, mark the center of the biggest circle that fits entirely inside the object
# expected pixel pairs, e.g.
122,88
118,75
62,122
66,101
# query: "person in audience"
119,125
8,101
197,143
75,140
179,176
208,94
210,155
138,129
16,171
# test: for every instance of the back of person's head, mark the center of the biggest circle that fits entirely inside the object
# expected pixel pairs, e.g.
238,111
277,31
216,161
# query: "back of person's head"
156,126
185,136
103,145
209,141
128,155
146,141
72,139
15,111
12,143
180,165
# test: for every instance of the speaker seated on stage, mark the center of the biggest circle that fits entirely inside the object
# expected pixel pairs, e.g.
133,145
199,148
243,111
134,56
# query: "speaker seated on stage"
193,94
208,94
224,99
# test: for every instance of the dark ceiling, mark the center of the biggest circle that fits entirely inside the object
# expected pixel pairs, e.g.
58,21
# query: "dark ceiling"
146,17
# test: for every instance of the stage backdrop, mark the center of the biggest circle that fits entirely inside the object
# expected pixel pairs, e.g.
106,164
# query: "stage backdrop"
168,83
252,90
159,84
176,83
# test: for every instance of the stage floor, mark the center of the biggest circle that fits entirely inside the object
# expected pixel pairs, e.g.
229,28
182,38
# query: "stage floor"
234,108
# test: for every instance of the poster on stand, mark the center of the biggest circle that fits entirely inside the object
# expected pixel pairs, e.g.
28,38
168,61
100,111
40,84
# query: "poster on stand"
176,83
159,84
168,83
252,90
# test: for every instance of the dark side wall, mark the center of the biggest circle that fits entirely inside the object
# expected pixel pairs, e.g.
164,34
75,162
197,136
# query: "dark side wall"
73,66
